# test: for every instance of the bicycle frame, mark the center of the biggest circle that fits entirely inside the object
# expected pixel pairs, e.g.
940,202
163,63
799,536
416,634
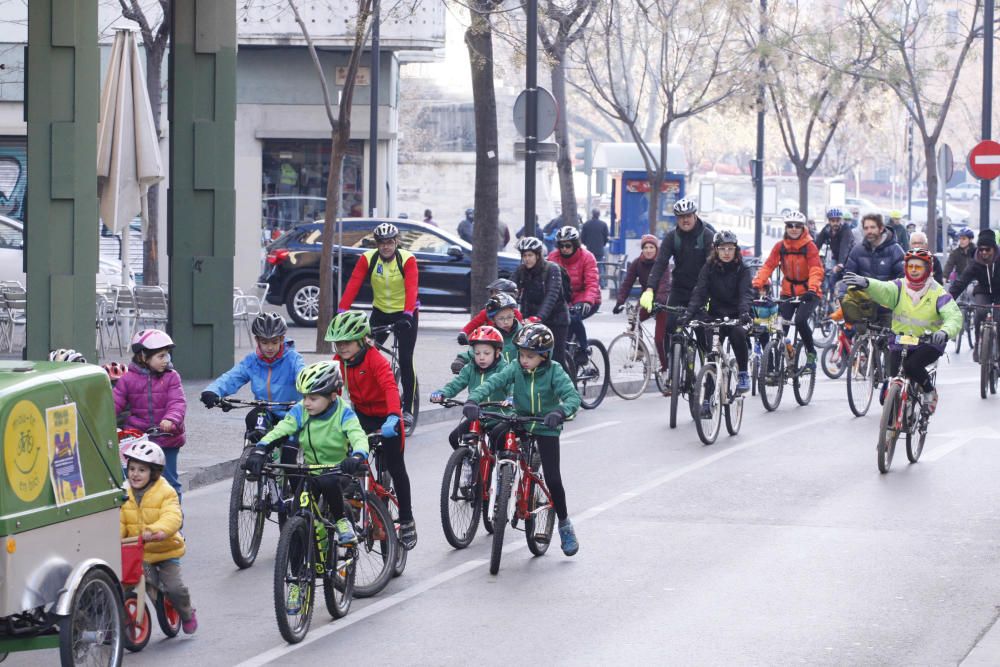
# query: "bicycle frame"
516,451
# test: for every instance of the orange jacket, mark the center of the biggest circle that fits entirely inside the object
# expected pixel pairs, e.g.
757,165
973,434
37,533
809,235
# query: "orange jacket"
801,267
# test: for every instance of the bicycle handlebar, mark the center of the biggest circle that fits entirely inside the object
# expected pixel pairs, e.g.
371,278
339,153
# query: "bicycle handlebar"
453,403
229,401
306,468
715,324
386,328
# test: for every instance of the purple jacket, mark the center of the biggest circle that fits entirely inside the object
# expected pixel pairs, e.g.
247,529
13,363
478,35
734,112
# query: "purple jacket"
151,398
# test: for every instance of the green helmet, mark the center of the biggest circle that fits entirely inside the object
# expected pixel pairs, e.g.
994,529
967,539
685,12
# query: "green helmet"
323,377
349,325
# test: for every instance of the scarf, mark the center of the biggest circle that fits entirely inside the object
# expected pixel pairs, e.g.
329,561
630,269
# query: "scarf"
916,289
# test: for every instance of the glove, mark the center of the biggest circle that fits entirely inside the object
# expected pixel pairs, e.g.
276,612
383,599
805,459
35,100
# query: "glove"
939,338
353,464
854,280
457,365
534,319
683,319
810,296
746,319
618,308
508,402
463,338
554,418
470,410
437,396
255,463
646,300
390,427
585,309
210,399
254,436
405,323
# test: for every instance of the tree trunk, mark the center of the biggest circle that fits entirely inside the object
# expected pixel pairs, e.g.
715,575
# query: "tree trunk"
150,246
564,163
327,293
803,175
479,41
930,162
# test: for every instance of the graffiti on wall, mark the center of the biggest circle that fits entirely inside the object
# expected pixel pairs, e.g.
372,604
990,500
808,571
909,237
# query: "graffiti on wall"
13,176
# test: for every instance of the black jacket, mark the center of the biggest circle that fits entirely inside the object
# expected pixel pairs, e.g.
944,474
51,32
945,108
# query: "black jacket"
689,251
539,291
959,259
725,287
840,243
594,234
987,277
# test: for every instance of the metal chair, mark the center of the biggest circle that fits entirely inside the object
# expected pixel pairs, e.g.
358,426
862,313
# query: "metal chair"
123,312
246,307
15,307
150,307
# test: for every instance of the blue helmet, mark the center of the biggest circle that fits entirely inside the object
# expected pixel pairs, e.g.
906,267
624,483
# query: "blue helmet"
834,213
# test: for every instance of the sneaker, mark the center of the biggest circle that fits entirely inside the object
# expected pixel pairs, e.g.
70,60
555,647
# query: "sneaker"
929,400
581,358
293,603
810,361
567,536
466,479
407,420
408,534
743,383
191,625
345,533
706,410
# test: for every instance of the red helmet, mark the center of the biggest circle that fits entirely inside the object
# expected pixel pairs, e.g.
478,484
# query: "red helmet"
488,335
923,255
115,370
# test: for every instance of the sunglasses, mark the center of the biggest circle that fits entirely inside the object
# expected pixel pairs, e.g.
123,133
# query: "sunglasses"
565,245
790,225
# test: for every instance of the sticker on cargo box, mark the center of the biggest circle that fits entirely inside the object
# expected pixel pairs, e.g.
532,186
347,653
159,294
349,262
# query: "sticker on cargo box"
25,460
64,453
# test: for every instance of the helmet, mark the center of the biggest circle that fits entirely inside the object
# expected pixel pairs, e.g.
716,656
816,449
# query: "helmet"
921,254
967,233
725,236
503,285
895,215
151,339
66,355
537,338
498,302
323,377
349,325
795,216
834,213
568,233
685,206
488,335
115,370
269,325
530,244
145,451
386,231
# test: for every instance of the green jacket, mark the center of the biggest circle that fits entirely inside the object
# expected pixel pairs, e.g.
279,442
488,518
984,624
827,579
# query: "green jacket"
509,350
536,393
472,377
327,438
935,310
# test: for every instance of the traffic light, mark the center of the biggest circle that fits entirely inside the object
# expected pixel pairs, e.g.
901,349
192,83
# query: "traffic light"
602,181
583,158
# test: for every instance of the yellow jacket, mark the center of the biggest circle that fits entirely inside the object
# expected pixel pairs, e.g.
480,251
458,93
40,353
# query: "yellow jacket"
160,510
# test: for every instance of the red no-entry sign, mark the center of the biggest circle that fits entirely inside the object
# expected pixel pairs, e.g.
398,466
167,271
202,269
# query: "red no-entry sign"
984,160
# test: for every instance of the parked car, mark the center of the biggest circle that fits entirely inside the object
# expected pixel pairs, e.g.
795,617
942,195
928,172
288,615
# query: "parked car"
964,191
445,262
955,214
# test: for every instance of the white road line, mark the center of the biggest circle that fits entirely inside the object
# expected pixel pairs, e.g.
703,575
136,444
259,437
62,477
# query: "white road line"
961,438
459,570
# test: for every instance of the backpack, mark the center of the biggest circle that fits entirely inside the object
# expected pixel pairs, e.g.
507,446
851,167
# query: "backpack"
784,252
374,261
567,288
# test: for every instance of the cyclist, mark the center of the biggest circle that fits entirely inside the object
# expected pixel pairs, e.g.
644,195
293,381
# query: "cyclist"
502,314
896,224
539,388
801,276
961,256
498,286
985,270
540,292
584,281
918,304
640,269
724,287
393,275
918,241
372,392
878,256
840,239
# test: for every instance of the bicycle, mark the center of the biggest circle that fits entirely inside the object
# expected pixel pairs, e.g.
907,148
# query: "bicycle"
765,323
784,360
252,502
834,359
964,302
518,470
903,411
685,353
866,365
631,355
716,384
138,591
307,549
989,350
591,378
392,353
379,482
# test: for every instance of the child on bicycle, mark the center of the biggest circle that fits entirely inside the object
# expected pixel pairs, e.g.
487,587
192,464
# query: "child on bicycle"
152,393
919,304
498,286
540,388
502,314
152,510
375,397
487,344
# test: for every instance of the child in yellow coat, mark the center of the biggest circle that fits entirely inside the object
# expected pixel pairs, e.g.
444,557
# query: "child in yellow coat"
153,511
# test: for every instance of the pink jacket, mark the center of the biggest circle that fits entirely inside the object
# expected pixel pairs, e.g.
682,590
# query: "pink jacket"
583,275
151,398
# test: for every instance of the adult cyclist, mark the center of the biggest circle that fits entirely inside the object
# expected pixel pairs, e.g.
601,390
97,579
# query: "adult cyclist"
839,238
878,256
985,270
584,282
393,275
539,292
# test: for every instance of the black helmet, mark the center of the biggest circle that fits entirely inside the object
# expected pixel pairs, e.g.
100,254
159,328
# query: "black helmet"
725,236
269,325
568,234
536,338
498,302
386,231
503,285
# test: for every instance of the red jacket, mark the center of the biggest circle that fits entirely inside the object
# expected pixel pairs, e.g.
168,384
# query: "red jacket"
479,319
370,385
583,276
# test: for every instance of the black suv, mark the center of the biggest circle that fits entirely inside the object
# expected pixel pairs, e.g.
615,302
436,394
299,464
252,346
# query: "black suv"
445,262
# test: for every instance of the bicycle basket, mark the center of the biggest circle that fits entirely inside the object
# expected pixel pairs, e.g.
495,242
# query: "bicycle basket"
132,554
765,313
858,307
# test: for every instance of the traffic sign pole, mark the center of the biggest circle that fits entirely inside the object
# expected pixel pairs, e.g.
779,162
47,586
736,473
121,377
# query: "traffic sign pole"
984,185
531,124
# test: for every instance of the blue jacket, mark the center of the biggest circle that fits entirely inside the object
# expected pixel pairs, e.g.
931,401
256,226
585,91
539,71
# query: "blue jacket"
269,380
883,262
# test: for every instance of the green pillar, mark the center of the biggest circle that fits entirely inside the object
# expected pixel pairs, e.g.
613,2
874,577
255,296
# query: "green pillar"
202,195
63,87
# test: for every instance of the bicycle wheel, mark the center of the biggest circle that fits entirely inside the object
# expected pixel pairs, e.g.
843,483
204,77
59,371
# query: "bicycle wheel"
985,360
803,379
915,441
167,616
961,332
500,515
377,545
754,372
137,633
833,361
487,511
889,425
460,505
591,379
860,376
825,333
541,515
246,517
708,385
676,366
692,366
734,407
772,374
338,581
630,365
294,580
392,505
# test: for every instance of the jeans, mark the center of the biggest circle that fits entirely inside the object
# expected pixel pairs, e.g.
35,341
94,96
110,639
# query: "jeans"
576,328
170,469
407,341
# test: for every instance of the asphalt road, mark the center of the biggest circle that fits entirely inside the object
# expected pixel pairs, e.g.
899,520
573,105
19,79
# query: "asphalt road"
781,545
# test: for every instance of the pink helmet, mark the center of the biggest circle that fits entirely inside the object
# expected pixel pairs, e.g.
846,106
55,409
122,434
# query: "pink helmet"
151,339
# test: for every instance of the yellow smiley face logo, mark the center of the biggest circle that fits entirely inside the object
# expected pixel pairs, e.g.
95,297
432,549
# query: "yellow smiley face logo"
25,457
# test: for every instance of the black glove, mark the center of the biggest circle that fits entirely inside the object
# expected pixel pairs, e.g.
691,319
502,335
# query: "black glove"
463,338
470,410
585,309
554,418
810,296
939,338
210,399
404,323
683,319
255,463
254,436
457,365
746,319
352,465
618,308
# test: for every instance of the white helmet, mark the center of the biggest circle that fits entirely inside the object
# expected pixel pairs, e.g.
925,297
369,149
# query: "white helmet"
145,451
685,206
151,339
795,216
62,354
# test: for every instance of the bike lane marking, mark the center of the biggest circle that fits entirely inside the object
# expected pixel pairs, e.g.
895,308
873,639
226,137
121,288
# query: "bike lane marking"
958,439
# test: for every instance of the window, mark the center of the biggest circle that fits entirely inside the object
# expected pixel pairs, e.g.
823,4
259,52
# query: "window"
417,240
